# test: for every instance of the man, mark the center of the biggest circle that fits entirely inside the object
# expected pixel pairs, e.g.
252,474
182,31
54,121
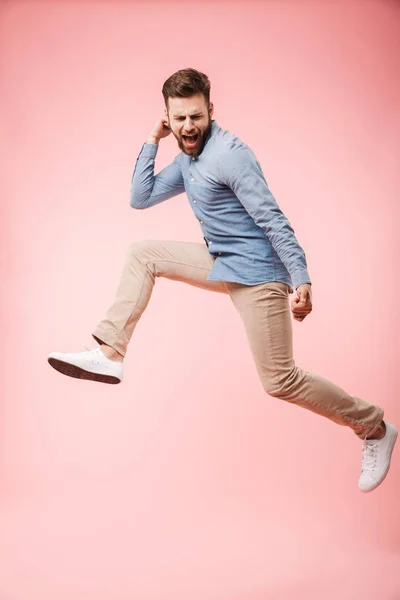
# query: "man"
250,254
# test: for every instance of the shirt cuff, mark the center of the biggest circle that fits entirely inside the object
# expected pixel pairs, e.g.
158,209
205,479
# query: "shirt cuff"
300,277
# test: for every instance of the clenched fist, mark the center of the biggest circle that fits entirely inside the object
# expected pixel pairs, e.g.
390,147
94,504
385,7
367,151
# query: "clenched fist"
160,130
302,304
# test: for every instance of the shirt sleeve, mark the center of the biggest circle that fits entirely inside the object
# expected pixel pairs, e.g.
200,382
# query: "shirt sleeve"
148,189
239,169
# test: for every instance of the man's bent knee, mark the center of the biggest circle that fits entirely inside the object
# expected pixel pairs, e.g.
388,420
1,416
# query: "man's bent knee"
140,248
283,385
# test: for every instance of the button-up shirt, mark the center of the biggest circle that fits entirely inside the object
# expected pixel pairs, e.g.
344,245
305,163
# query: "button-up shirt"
245,231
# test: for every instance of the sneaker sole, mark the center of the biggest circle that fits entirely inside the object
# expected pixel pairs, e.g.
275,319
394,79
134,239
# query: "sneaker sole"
386,470
79,373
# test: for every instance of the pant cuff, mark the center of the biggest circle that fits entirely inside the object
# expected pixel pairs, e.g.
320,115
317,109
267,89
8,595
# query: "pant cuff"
101,338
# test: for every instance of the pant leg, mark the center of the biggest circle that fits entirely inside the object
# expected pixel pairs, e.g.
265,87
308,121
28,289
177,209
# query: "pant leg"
266,314
187,262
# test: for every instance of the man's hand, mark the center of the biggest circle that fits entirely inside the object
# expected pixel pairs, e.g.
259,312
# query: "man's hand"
160,130
302,304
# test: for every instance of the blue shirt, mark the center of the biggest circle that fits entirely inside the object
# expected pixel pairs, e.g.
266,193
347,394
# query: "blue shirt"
245,230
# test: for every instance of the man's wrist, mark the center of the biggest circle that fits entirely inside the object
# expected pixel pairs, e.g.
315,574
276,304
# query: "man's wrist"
152,140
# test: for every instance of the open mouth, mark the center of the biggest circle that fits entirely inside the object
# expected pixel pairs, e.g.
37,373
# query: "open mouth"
190,140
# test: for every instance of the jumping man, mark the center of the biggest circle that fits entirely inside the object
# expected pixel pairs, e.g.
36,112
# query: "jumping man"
250,254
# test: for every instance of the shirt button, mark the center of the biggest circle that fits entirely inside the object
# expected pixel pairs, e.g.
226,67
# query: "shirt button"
210,242
192,179
220,253
194,201
193,158
201,222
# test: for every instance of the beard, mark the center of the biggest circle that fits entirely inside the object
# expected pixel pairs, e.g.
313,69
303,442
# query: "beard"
200,142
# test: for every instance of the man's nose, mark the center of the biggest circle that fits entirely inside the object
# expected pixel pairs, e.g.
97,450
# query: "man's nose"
188,124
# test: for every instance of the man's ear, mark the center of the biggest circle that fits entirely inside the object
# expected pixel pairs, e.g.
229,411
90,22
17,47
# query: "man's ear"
211,109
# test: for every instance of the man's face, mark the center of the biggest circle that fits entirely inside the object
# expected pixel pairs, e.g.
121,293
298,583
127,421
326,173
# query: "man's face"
187,117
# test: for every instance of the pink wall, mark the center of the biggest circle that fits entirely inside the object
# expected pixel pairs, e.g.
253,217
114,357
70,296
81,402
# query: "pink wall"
187,480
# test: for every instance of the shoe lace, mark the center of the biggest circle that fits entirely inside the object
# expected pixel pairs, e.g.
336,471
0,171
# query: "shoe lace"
88,349
91,351
369,454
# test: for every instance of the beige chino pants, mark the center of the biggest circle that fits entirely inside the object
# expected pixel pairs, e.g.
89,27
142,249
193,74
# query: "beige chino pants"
266,315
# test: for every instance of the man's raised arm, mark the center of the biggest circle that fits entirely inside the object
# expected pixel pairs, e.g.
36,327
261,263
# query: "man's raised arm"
148,189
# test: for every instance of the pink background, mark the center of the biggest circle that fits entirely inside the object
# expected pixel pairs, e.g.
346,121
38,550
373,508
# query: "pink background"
187,480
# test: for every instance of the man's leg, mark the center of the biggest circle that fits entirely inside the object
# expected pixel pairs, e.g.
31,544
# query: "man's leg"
266,315
187,262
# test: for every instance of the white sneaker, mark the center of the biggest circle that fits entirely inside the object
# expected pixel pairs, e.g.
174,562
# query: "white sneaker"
376,456
92,364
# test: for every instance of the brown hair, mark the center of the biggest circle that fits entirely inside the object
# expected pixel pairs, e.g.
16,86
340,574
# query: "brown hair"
185,83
